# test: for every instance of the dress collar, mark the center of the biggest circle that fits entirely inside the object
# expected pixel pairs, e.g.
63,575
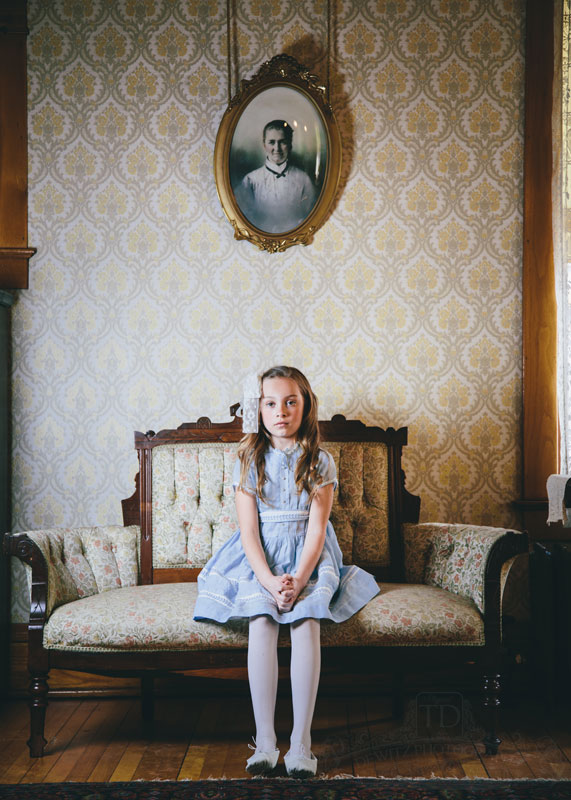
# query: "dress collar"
279,170
287,452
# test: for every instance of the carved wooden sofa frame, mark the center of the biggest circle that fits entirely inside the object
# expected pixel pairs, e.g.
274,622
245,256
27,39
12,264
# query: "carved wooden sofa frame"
500,549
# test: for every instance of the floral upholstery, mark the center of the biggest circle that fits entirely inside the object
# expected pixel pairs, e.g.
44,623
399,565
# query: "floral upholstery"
86,561
452,557
361,506
193,502
95,604
159,617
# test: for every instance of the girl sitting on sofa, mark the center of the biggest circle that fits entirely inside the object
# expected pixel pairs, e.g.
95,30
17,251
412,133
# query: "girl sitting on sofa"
283,565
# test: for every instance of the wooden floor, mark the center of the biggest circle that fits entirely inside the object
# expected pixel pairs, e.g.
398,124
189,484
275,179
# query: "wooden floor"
192,738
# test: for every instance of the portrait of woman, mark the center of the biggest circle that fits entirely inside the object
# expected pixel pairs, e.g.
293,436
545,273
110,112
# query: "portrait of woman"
278,159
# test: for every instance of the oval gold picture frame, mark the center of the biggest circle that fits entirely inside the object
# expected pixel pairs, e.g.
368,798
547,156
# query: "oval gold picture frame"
270,201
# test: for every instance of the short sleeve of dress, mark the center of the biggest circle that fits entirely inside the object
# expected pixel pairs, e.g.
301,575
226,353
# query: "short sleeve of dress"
326,468
251,481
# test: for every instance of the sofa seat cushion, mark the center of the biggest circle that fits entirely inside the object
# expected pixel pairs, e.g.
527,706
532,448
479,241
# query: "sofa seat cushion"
159,617
411,615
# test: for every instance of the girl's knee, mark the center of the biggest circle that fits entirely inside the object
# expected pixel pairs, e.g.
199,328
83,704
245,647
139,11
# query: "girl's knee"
305,627
263,623
308,622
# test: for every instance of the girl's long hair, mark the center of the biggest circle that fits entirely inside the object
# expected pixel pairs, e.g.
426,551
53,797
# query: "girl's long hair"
252,448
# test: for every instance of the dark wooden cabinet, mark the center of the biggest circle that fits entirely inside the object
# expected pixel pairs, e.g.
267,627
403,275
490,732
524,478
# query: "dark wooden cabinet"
5,456
550,575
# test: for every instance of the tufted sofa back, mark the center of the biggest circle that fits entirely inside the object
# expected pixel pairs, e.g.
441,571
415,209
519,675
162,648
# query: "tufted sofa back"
193,511
86,561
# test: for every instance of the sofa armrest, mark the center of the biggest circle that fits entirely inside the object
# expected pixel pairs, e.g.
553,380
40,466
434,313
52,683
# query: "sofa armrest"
21,546
70,563
464,559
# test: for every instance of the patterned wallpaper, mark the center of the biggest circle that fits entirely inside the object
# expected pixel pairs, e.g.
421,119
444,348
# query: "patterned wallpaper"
143,311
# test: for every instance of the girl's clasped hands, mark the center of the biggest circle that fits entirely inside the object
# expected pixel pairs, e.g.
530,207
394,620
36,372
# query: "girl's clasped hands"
285,590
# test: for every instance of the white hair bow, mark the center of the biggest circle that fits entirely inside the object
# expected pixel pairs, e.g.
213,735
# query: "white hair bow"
251,403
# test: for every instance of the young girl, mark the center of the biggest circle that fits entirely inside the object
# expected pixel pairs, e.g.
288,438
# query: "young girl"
283,565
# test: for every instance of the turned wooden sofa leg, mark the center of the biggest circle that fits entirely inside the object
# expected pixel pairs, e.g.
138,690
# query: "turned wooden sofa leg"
147,698
491,705
38,706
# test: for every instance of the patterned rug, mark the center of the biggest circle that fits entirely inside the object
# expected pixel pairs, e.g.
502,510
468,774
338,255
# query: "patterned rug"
288,789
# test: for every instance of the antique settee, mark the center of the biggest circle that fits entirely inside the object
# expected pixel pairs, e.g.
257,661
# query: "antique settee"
118,600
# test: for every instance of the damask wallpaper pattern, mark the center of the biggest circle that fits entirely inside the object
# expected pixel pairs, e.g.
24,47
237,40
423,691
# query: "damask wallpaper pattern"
144,312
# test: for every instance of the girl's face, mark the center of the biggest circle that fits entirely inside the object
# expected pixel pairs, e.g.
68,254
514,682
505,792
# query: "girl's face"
282,410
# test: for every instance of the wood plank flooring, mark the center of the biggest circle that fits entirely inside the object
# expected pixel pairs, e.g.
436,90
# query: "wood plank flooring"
207,736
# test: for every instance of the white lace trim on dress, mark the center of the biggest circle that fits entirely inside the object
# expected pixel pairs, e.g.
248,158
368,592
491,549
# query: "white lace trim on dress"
284,516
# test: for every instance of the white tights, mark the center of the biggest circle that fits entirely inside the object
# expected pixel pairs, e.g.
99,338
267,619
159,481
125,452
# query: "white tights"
263,677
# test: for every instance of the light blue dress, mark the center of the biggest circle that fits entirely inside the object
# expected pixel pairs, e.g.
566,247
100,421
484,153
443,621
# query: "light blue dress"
227,586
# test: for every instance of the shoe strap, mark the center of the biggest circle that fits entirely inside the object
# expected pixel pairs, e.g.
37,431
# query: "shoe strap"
255,747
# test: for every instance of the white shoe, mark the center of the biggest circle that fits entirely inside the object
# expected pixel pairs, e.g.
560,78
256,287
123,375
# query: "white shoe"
262,762
299,764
